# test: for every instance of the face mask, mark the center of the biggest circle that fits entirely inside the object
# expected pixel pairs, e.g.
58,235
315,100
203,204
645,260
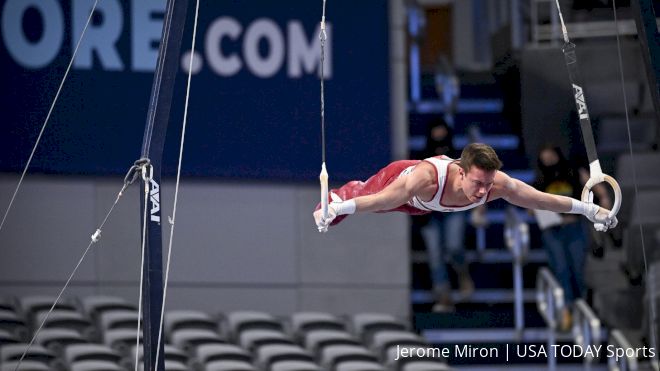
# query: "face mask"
551,171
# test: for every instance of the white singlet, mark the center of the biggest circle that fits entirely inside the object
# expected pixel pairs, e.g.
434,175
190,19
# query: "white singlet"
440,163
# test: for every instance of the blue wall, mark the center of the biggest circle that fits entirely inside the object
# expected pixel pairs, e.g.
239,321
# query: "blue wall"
248,123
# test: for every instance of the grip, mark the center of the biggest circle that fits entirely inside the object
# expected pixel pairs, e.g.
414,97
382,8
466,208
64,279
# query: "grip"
323,178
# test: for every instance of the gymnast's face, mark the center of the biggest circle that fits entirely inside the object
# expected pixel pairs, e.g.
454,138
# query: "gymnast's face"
476,183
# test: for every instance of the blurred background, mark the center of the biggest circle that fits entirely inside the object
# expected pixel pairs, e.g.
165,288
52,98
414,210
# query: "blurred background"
403,79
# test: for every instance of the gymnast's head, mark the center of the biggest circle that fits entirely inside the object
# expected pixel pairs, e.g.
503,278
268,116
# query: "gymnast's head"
478,165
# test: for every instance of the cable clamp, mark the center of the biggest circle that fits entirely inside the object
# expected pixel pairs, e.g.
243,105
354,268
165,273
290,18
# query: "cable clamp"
96,236
322,35
133,174
147,170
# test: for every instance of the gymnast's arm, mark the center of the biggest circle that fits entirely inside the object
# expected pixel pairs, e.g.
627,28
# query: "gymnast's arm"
521,194
398,192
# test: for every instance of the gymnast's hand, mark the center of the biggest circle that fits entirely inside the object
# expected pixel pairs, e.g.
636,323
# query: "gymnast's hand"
600,216
602,221
323,223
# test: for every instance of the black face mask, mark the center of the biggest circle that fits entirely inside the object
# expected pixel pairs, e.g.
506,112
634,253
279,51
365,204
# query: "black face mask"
552,171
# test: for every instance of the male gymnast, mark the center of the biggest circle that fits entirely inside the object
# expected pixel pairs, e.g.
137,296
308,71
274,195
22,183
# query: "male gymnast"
446,185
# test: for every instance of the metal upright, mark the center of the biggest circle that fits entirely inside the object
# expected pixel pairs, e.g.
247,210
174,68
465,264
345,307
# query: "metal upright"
152,150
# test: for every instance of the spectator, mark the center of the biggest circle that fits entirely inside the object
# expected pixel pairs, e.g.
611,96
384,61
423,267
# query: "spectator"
563,236
449,251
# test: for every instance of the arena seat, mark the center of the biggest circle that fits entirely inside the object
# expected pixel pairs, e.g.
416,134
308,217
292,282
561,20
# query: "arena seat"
90,352
25,366
7,303
413,363
65,319
30,306
238,321
383,340
229,366
188,319
425,366
359,366
302,322
295,366
13,323
13,352
303,341
269,354
7,337
253,338
187,339
118,319
96,366
170,366
219,352
314,340
332,355
56,339
120,339
93,306
365,324
171,353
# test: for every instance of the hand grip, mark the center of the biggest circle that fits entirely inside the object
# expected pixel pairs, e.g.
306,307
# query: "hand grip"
323,177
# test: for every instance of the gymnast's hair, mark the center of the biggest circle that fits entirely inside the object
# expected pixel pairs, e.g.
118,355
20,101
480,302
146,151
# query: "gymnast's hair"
481,156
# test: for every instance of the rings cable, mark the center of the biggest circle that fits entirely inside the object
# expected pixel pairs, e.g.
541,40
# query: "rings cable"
50,111
634,170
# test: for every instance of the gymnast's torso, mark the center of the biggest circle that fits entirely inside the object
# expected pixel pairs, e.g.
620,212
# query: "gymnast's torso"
441,166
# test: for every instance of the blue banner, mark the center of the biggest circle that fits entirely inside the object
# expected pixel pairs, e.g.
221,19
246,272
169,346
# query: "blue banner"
254,109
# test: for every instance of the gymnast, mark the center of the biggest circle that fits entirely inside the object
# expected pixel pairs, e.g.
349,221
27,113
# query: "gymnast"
443,184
